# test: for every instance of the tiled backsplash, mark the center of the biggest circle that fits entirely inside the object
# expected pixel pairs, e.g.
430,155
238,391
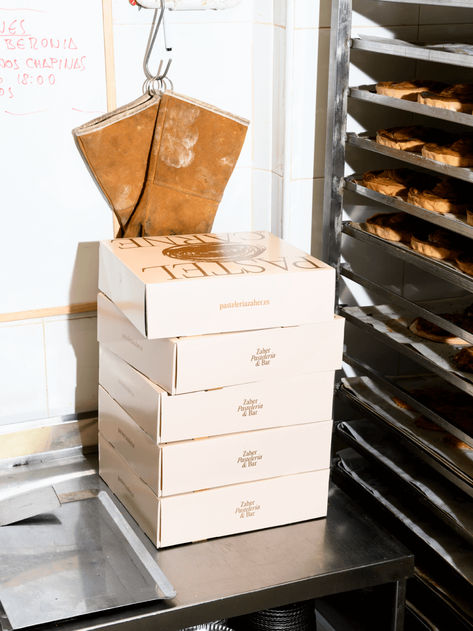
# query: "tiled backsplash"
49,367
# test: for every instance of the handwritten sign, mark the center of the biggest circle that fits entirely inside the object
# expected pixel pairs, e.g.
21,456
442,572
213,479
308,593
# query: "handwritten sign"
52,78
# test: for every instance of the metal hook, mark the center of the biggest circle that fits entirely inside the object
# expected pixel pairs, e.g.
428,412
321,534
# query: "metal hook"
159,77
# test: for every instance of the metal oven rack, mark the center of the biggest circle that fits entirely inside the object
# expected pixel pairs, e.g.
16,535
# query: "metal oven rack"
370,394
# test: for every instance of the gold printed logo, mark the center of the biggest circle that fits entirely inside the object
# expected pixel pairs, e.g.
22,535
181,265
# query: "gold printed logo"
214,252
249,407
249,459
247,508
263,357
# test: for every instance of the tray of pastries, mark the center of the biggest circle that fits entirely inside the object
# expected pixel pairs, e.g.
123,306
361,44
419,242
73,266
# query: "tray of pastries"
422,237
456,97
400,326
442,195
430,143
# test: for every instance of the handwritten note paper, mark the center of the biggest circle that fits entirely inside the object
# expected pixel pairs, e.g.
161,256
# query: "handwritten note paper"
52,78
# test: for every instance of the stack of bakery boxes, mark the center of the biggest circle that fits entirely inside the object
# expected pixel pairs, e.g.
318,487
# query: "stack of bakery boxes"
217,360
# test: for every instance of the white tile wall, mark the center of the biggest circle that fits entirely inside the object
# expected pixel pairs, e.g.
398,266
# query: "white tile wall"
262,114
304,102
23,393
71,364
306,14
235,208
263,197
49,367
302,202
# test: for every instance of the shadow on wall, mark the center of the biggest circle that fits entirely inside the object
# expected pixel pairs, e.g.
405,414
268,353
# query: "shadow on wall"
82,331
323,63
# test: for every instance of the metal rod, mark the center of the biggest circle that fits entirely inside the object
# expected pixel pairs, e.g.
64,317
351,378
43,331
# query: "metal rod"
336,129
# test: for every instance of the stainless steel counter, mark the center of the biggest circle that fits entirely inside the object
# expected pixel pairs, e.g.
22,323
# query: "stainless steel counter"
214,579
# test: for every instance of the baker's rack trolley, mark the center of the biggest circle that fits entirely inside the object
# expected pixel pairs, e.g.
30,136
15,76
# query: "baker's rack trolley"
347,203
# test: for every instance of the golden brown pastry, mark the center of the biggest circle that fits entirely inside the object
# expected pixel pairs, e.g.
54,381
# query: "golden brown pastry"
469,217
437,244
401,404
446,196
465,263
391,182
458,153
463,360
411,138
390,226
430,331
458,98
453,441
407,90
453,406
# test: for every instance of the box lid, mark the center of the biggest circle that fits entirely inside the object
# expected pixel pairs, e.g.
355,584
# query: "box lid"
209,283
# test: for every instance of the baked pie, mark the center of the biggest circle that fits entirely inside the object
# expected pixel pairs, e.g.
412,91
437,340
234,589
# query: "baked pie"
430,331
390,226
401,404
464,262
458,153
463,360
411,138
446,196
408,90
458,98
453,441
391,182
436,244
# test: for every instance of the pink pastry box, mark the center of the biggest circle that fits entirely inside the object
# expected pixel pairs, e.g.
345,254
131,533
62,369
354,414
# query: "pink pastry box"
212,283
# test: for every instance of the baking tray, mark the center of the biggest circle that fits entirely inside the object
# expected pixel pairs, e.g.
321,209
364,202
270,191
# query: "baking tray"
368,94
85,557
404,387
440,594
366,141
390,324
401,460
443,269
422,51
441,542
455,223
370,396
430,310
